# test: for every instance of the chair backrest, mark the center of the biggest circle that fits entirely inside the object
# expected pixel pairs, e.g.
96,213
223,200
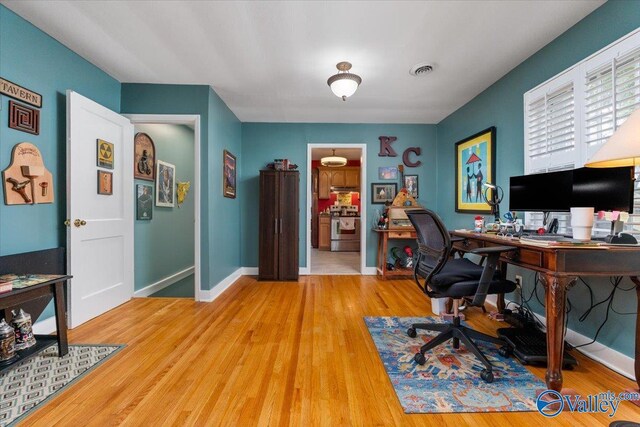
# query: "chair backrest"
433,240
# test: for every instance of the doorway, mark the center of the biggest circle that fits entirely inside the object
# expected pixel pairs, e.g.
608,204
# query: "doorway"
167,245
336,208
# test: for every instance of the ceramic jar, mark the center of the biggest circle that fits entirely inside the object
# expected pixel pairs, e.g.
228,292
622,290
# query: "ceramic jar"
21,323
7,342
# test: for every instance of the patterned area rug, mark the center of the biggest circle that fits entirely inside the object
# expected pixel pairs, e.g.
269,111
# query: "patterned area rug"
450,379
33,382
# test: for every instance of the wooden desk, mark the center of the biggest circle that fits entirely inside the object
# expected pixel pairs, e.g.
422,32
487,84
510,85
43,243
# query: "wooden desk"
383,248
559,268
54,288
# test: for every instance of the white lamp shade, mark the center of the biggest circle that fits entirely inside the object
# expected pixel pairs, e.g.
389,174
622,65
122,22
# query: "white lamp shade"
344,87
623,148
333,161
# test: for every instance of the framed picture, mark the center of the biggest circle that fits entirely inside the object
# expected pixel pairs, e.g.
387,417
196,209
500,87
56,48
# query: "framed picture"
105,154
229,175
382,192
144,157
388,172
105,183
144,202
475,166
165,184
411,184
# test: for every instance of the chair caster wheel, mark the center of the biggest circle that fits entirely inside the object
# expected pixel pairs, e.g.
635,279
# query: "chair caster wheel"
420,359
487,376
505,351
412,332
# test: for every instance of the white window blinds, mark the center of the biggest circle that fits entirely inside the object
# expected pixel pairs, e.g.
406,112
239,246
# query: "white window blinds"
569,117
551,129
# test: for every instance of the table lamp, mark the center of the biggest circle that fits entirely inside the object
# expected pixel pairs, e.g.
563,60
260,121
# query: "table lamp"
622,149
496,197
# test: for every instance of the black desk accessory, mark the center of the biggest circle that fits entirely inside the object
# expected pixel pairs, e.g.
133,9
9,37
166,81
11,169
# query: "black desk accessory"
529,345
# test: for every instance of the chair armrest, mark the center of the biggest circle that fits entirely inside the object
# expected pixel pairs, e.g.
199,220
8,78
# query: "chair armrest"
493,255
492,250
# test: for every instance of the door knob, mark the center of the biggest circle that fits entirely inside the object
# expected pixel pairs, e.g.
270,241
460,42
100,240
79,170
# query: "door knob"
79,222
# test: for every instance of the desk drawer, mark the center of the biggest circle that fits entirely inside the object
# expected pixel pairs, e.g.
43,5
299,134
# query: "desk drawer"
402,235
526,257
468,245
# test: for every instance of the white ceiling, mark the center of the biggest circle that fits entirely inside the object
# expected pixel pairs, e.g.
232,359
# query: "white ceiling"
269,61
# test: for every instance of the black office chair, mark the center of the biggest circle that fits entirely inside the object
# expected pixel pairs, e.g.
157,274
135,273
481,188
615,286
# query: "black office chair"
446,277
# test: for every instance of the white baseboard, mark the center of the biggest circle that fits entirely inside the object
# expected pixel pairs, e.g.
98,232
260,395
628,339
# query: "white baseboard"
370,271
163,283
220,287
45,327
249,271
304,271
612,359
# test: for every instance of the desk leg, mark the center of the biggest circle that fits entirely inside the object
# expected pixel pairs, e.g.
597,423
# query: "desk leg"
61,319
555,299
385,242
500,304
636,281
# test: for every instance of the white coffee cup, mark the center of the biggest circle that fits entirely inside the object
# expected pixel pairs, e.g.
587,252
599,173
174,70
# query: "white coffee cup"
582,223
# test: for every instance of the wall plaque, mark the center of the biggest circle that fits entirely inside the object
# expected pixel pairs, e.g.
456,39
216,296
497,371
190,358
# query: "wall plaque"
24,118
20,93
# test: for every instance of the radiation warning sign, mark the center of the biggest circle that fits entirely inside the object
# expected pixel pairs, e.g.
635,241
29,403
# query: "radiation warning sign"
105,154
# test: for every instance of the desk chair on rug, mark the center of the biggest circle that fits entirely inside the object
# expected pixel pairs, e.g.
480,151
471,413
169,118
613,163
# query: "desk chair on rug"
446,277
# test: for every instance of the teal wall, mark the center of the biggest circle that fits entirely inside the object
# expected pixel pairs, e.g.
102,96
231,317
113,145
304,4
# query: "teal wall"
263,142
165,245
219,129
32,59
501,105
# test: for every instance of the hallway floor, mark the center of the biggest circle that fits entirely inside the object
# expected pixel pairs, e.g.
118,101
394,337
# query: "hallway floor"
327,262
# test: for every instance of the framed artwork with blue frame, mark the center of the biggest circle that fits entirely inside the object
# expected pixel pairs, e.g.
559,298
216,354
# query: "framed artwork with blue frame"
475,166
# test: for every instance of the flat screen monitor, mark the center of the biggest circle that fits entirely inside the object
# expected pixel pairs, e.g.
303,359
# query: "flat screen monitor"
606,189
546,192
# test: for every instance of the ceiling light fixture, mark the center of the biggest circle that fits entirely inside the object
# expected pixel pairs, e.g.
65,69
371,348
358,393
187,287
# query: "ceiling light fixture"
333,161
344,84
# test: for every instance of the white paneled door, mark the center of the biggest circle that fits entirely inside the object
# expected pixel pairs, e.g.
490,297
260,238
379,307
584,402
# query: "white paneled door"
100,232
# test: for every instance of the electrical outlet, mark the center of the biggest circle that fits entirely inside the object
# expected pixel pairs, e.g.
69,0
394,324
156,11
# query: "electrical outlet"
519,280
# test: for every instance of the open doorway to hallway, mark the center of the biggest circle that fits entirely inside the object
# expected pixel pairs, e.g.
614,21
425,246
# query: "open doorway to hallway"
336,241
167,243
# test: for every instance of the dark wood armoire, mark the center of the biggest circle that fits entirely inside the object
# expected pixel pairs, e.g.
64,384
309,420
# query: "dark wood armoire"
279,224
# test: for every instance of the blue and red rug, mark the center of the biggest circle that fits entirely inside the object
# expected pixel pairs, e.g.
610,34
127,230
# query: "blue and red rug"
450,379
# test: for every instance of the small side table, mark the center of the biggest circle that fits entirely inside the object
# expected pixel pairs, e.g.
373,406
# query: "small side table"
53,288
383,246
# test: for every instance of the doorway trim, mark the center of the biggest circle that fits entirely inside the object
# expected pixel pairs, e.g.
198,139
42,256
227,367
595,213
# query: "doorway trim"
190,120
363,200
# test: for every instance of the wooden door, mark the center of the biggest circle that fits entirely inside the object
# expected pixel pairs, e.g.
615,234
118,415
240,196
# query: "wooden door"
268,226
338,178
100,243
314,208
288,265
324,183
324,233
352,178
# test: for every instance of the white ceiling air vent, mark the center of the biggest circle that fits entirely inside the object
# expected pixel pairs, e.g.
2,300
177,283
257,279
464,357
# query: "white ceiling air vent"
421,69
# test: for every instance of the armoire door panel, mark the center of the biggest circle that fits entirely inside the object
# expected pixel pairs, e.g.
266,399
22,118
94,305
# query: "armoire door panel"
269,227
289,217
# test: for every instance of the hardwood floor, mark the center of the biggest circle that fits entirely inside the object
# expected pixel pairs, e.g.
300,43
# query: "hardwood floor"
272,353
